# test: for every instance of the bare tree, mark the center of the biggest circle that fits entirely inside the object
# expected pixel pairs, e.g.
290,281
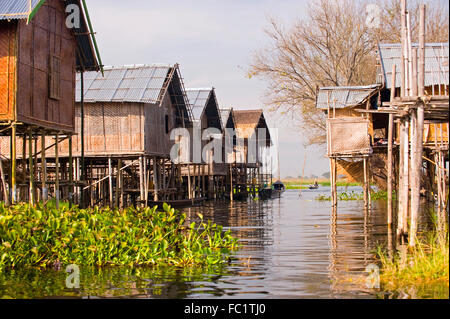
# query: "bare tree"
332,47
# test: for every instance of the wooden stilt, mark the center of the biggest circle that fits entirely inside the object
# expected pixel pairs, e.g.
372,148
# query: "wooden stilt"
146,180
389,170
5,191
231,182
189,181
141,177
366,183
155,179
71,188
390,153
31,167
12,187
57,194
110,173
400,196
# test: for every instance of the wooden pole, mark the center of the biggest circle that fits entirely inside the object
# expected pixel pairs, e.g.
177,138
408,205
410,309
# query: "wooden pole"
5,192
409,79
366,190
83,173
13,164
416,173
146,179
71,188
24,163
400,197
43,169
141,177
405,185
57,170
119,194
390,152
421,53
403,43
31,166
110,172
155,179
231,182
414,90
189,181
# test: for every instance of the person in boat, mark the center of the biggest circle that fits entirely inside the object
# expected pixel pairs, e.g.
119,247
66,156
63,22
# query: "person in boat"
316,184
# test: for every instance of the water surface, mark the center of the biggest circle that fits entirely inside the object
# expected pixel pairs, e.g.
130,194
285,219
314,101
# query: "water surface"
292,247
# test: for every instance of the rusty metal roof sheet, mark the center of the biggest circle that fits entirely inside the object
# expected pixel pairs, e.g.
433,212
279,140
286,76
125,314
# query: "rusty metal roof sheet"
133,83
436,63
344,96
16,9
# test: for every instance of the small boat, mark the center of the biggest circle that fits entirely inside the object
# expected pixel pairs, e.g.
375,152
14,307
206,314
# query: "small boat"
275,191
314,186
278,189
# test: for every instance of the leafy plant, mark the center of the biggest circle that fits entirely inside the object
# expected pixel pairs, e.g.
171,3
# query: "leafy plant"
46,237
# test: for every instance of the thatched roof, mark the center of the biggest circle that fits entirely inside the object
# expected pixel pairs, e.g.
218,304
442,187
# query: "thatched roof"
248,121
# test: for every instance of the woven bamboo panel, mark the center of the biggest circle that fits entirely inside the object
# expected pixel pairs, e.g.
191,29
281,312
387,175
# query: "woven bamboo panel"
347,136
7,69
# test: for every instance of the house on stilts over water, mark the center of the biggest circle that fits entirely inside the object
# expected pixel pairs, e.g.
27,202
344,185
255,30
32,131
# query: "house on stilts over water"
41,49
395,132
129,114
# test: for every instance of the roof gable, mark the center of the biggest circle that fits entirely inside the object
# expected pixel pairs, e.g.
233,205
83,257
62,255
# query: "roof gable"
204,102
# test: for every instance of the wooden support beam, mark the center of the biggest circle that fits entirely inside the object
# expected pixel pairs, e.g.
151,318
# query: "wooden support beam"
43,170
421,53
366,182
110,172
71,185
57,194
189,181
231,182
31,167
141,177
155,179
12,187
390,165
5,191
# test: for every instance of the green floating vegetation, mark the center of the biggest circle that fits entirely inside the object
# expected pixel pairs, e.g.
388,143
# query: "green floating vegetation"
422,266
46,237
352,195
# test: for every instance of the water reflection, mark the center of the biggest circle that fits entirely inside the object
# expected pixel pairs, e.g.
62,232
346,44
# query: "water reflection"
293,247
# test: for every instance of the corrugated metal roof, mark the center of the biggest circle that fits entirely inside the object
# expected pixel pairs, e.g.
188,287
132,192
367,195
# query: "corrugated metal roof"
140,83
16,9
344,96
198,99
21,9
436,63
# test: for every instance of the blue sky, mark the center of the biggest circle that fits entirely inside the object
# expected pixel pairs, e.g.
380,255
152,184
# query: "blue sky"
213,41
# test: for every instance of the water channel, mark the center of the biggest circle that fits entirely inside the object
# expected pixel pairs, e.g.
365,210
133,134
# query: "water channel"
292,247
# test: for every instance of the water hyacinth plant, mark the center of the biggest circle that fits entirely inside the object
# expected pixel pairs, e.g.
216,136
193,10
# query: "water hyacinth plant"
46,237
